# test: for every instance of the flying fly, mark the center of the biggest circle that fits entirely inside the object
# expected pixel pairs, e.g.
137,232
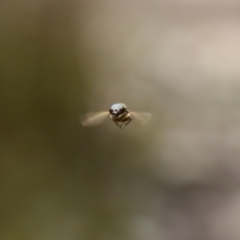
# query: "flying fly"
118,112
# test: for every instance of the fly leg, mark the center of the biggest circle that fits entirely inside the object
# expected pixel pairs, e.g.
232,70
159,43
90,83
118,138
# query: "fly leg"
117,124
121,125
128,121
125,119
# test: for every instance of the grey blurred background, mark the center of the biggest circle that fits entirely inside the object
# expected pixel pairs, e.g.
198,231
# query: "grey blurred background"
175,178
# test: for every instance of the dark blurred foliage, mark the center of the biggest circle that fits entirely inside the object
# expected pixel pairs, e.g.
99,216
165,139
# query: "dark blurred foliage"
174,178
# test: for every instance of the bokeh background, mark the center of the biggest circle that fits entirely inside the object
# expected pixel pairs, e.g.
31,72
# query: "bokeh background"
175,178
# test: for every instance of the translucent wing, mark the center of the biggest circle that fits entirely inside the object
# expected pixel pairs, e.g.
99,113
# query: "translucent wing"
94,118
142,117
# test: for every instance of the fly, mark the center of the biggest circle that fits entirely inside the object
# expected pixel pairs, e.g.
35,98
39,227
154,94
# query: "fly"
119,114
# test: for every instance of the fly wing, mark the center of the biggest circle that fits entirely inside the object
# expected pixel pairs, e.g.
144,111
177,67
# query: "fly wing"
142,117
94,118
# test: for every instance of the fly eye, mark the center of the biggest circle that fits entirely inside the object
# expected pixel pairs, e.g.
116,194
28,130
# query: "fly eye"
113,111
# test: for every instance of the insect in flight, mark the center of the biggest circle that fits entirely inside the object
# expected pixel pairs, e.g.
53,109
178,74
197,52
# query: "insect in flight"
118,112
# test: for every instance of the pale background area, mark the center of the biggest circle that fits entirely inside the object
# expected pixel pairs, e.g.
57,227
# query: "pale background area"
175,178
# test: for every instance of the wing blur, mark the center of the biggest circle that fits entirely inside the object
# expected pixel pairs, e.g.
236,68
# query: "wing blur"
94,118
142,117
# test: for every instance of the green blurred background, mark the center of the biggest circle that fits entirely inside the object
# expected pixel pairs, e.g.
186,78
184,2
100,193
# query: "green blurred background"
175,178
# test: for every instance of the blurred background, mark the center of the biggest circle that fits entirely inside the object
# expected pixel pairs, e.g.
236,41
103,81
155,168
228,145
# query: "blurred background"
175,178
